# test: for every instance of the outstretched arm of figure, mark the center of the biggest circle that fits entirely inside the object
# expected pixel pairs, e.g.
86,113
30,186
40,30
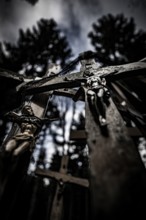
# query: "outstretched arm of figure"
12,116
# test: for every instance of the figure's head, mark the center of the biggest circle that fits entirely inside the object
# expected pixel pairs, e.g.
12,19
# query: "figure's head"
27,110
93,81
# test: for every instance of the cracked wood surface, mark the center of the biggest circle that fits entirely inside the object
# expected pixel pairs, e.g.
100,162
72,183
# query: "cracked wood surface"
76,79
118,176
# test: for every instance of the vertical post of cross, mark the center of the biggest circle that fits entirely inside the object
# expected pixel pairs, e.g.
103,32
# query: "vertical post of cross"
117,174
57,206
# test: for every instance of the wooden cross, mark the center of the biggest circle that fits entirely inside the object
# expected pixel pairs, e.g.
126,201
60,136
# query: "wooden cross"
38,103
77,78
117,174
62,177
115,165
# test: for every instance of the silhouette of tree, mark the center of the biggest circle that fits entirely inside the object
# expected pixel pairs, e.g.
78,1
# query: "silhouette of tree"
35,49
117,41
32,53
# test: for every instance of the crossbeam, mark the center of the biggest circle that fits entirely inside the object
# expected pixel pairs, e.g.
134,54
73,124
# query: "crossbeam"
60,177
76,79
78,135
57,205
117,175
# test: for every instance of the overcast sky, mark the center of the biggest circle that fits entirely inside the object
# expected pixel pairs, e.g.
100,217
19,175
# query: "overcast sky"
73,16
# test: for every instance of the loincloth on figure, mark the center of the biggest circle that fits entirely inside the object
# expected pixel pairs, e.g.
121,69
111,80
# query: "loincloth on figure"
21,138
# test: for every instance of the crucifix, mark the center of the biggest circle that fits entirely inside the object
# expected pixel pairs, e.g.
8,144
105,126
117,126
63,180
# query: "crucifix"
30,121
114,160
27,122
62,178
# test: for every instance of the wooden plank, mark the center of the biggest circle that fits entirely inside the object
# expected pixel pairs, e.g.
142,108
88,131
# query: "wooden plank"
57,206
65,92
61,177
70,93
70,81
76,79
118,176
77,134
39,104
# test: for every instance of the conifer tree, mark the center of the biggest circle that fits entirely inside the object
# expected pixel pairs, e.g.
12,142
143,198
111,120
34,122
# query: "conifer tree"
35,48
117,41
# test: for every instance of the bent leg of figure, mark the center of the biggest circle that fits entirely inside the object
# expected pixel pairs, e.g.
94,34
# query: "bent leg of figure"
22,148
11,145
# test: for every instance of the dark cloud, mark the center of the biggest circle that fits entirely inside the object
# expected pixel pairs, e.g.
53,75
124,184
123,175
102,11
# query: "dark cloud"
137,3
7,11
138,10
10,17
75,17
